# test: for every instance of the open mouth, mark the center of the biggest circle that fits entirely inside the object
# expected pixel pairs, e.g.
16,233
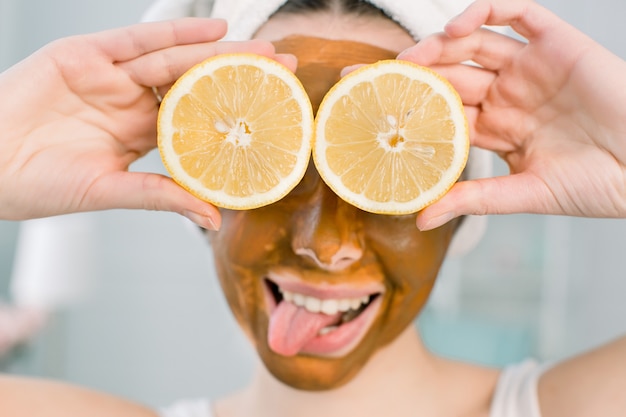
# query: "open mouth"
303,323
350,308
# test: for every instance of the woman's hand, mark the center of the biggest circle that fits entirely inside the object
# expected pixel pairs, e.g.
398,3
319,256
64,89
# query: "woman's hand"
553,108
75,115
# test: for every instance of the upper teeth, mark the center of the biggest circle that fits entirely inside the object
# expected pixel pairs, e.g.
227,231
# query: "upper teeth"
327,306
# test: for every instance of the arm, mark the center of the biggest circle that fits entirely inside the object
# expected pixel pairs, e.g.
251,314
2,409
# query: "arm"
22,397
554,108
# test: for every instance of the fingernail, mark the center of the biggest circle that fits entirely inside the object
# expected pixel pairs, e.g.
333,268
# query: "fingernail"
202,221
452,20
346,70
437,221
404,54
288,60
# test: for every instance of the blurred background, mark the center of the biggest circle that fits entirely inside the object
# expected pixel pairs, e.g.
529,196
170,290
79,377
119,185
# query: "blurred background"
150,323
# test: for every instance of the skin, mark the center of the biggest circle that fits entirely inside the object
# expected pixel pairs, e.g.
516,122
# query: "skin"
321,242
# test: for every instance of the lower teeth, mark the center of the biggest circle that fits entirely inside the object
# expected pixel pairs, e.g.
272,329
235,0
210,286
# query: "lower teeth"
327,330
349,315
345,318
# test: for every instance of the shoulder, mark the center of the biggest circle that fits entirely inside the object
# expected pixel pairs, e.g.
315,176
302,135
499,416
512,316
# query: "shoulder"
589,384
27,397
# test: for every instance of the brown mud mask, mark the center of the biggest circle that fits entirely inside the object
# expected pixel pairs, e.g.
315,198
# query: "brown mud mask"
311,244
320,61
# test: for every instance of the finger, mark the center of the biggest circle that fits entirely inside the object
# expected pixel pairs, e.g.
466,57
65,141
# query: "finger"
526,17
136,190
133,41
485,47
471,113
471,82
503,131
347,70
509,194
500,144
288,60
163,67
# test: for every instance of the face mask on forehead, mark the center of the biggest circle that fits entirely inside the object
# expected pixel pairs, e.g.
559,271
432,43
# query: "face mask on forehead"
320,61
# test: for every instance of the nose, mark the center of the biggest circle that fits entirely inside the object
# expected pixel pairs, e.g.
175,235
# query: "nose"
328,232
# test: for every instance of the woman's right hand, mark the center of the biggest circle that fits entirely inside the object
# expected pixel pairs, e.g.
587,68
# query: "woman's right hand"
78,112
553,108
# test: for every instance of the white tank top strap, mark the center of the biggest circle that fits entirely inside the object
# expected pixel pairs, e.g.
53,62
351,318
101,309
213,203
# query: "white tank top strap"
516,393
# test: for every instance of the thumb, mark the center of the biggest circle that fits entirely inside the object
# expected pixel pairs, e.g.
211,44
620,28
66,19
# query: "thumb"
519,193
138,190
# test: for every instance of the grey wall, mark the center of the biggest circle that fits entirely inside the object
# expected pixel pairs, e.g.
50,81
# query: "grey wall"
27,25
155,328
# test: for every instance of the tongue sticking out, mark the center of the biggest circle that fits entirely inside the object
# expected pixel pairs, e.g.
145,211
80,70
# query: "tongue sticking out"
292,327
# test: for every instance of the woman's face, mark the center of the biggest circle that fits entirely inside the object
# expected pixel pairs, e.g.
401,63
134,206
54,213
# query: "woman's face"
317,284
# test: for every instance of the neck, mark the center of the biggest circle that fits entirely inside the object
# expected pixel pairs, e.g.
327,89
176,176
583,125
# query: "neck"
398,380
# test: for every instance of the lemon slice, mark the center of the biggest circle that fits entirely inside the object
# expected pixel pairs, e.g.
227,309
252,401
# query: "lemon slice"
391,137
236,131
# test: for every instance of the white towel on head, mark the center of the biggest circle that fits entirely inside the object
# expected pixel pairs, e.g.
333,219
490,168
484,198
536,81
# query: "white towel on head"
419,17
172,9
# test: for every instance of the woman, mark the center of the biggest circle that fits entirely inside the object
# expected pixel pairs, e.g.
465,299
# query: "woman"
367,360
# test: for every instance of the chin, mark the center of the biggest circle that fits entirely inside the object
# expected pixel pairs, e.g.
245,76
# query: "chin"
308,373
318,373
323,372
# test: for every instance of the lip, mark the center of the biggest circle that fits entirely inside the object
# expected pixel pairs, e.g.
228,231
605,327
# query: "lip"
343,340
292,282
348,335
